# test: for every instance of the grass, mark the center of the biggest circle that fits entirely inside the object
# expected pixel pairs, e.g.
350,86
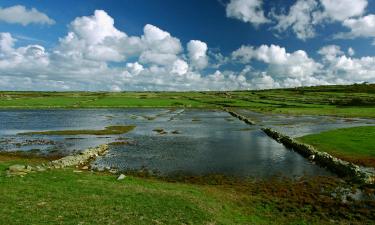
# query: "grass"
356,144
348,100
65,197
110,130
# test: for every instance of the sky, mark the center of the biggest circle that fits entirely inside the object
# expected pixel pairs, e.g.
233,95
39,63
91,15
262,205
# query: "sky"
169,45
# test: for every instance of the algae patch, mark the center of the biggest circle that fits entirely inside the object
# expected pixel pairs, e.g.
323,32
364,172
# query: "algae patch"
110,130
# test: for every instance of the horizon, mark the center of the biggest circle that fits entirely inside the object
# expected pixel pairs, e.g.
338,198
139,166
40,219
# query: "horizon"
124,46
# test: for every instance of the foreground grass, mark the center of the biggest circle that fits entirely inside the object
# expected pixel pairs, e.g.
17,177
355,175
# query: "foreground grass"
347,101
356,144
66,197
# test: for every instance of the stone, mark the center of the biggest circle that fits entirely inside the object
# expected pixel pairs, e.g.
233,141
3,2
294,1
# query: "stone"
121,177
17,168
311,157
40,169
85,168
113,171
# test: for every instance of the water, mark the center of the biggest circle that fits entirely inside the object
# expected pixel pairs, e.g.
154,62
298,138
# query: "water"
298,126
204,141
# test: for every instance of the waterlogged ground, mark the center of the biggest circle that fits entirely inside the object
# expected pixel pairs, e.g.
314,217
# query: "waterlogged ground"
301,125
169,141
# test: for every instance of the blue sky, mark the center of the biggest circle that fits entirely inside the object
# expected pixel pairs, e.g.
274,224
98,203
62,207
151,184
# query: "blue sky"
280,47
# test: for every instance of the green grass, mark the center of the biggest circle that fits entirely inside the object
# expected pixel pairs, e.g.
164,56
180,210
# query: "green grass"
355,144
65,197
346,101
110,130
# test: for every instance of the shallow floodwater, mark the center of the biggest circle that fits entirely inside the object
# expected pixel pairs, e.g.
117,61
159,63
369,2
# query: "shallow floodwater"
194,142
301,125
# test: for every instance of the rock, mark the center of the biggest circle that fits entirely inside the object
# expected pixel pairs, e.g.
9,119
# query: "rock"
311,157
113,171
40,169
121,177
85,168
17,168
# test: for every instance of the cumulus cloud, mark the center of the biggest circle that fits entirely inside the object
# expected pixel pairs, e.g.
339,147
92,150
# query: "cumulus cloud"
19,14
95,55
341,10
83,60
249,11
197,51
330,52
359,27
300,18
23,59
346,68
305,15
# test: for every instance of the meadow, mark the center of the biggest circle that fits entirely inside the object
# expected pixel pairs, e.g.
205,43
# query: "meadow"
73,196
347,101
67,197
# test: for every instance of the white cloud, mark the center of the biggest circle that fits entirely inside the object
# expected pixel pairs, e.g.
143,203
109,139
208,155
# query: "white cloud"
180,67
359,27
19,14
300,18
330,52
134,68
351,51
285,69
280,63
249,11
341,10
197,51
95,55
23,59
305,15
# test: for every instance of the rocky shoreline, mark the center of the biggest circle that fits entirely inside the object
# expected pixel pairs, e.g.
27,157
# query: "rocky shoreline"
338,166
81,159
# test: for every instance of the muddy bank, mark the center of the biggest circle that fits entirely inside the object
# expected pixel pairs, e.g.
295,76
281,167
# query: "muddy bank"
338,166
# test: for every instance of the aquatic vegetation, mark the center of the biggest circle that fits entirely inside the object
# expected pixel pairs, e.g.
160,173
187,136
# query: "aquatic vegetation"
160,131
110,130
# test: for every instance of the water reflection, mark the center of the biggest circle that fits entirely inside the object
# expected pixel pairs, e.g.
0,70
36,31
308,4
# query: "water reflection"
206,141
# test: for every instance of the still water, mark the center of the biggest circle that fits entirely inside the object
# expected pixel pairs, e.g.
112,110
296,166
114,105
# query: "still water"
195,142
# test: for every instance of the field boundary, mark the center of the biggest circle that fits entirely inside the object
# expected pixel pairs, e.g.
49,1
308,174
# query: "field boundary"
338,166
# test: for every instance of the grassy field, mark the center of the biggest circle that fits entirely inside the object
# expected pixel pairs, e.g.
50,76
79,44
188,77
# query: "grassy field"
355,144
350,101
70,197
67,197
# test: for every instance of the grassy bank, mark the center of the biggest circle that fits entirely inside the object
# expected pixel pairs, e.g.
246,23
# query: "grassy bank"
355,144
349,101
67,197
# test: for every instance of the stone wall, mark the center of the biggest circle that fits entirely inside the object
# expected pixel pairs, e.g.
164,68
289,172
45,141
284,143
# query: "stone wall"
240,117
338,166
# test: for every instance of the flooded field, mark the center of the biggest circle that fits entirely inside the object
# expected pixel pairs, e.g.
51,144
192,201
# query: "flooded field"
197,142
301,125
